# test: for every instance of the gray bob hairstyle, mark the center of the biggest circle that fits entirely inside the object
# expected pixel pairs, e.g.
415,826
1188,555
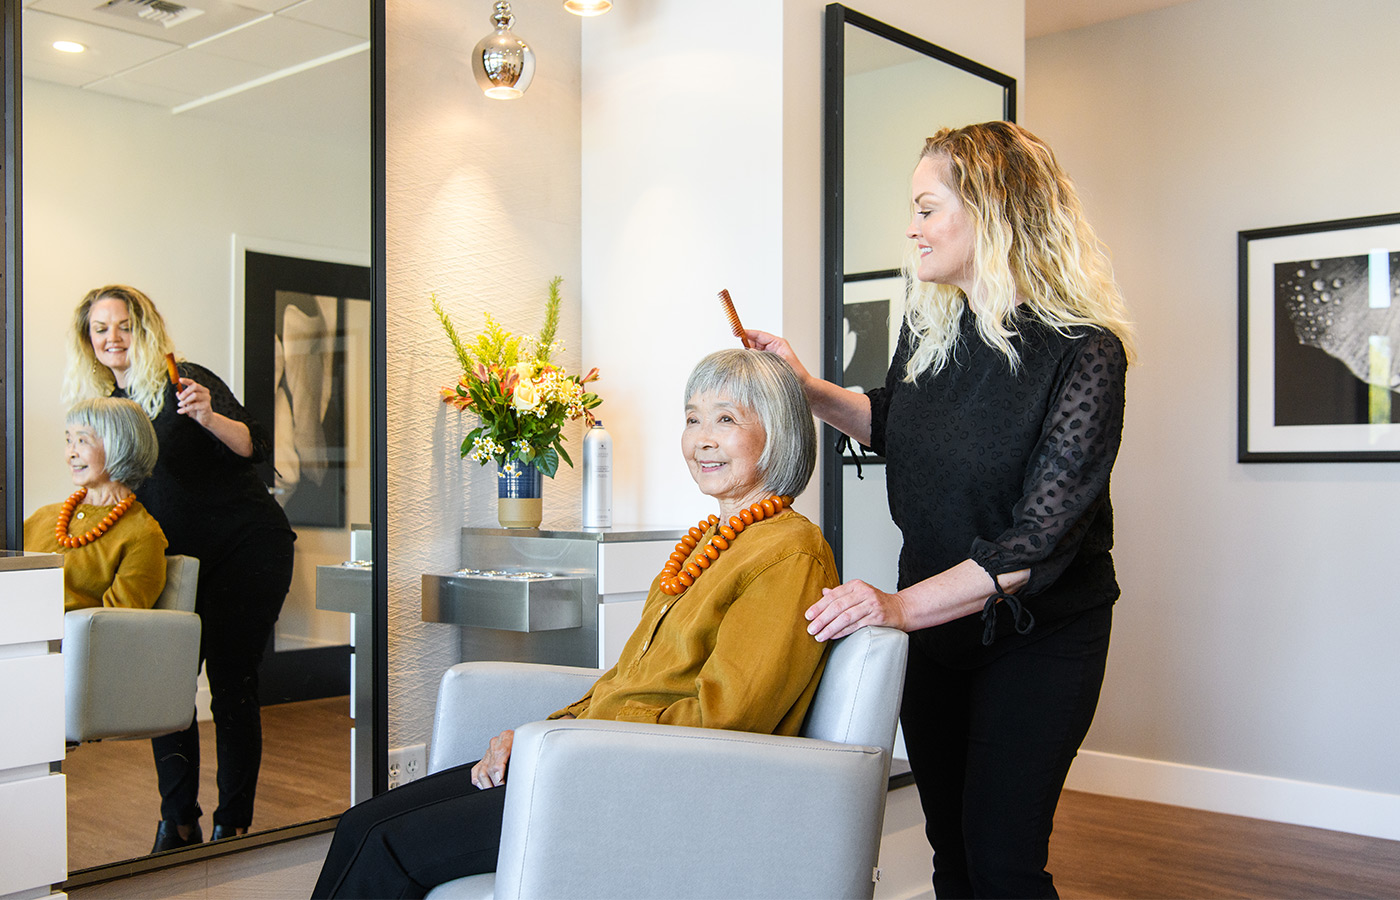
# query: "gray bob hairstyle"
128,439
766,384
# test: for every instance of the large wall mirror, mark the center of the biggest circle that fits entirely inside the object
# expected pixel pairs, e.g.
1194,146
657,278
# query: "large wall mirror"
886,91
221,156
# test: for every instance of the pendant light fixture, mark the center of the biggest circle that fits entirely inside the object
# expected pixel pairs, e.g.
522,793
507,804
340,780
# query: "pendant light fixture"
503,64
587,7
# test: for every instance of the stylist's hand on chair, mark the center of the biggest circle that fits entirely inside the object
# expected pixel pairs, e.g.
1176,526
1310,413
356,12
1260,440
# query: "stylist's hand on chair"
491,770
851,606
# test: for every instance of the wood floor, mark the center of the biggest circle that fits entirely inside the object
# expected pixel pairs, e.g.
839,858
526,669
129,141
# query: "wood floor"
1108,847
113,804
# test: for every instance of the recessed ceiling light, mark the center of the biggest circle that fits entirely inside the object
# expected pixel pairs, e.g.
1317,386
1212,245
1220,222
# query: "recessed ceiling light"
68,47
588,7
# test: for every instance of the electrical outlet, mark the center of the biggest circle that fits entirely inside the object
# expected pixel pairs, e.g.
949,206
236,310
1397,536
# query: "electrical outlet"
407,764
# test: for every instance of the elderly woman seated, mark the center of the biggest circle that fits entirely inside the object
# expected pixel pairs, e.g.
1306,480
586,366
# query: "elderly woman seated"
722,642
113,550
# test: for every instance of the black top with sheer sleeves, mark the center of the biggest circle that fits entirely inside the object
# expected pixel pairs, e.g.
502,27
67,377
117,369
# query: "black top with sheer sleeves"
1009,468
204,495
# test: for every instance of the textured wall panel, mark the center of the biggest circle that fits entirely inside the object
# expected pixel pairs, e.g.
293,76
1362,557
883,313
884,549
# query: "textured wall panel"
483,209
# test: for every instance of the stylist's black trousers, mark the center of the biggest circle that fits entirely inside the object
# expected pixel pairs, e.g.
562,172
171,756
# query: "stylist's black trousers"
990,748
239,599
407,841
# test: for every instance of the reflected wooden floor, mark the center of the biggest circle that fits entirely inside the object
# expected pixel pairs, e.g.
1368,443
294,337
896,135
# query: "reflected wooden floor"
114,807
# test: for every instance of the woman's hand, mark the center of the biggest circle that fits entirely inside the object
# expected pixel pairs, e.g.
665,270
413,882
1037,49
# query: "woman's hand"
855,604
846,411
194,401
762,340
491,771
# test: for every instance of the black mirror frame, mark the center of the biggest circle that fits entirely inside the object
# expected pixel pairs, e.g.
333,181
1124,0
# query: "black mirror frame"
833,217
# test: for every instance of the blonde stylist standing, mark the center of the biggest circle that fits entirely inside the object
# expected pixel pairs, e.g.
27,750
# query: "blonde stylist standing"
1000,420
212,505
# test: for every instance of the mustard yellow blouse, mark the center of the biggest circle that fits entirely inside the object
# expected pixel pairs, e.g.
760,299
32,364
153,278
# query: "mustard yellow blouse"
732,651
124,567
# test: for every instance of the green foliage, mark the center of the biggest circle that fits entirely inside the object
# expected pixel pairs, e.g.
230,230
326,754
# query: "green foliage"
523,403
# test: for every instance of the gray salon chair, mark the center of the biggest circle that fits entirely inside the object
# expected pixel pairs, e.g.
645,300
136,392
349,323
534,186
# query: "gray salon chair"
618,809
132,673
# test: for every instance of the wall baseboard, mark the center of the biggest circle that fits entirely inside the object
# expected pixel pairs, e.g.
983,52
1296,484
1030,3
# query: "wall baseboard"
1238,793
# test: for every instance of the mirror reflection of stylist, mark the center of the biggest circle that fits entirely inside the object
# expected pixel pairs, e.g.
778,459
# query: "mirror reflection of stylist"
1000,420
212,505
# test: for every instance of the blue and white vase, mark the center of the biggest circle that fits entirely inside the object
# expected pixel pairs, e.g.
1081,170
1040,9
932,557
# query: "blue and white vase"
519,495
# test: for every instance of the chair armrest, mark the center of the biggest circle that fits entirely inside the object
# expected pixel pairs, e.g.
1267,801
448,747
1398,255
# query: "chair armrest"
478,700
621,809
129,673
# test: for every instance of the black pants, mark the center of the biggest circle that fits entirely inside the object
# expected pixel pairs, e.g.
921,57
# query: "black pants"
405,842
238,602
990,748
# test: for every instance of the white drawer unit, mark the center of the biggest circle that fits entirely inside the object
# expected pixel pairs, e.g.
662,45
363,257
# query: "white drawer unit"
33,801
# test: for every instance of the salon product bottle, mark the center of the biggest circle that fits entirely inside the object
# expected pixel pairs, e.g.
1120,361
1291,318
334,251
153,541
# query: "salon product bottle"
597,477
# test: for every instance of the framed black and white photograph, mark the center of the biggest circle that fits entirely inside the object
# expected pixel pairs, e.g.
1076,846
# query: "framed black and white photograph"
872,309
295,377
1319,342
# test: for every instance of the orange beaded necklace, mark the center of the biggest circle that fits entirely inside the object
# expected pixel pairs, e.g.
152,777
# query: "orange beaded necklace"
65,515
677,574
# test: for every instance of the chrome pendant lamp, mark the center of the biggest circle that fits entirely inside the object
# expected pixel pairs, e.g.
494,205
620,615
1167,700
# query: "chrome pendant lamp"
503,64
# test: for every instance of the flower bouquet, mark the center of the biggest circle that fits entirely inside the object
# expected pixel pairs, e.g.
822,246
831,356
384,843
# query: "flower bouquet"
522,398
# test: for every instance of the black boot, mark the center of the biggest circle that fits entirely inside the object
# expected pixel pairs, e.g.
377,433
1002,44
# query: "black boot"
222,831
168,837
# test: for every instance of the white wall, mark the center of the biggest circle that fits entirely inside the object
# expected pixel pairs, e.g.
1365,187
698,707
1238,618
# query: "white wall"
1256,630
483,209
119,191
702,136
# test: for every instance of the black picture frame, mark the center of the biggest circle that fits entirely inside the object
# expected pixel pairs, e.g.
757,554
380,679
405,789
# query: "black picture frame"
1319,334
310,290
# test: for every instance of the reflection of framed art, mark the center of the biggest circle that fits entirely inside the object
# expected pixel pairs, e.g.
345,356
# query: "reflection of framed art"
872,307
1320,342
294,377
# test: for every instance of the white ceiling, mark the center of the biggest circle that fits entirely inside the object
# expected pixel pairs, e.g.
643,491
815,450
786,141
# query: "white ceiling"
1049,16
228,61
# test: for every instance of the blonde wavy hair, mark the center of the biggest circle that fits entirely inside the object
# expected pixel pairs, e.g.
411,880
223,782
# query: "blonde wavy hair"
1032,242
86,377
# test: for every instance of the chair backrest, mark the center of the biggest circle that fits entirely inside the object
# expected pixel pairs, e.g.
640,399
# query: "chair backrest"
858,699
181,579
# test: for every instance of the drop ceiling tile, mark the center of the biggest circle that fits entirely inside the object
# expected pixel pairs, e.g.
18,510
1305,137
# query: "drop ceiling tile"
196,73
348,16
216,17
108,50
154,94
65,75
278,43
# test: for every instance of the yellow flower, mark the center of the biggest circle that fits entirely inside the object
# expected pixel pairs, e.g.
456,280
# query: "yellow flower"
526,394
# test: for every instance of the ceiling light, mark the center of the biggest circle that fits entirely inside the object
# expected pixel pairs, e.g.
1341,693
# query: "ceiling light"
68,47
587,7
504,64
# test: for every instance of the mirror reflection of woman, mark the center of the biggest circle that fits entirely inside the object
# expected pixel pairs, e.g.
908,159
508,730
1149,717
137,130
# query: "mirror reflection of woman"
212,505
113,549
1000,420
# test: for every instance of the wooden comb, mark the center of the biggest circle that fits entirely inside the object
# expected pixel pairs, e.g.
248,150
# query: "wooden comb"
734,324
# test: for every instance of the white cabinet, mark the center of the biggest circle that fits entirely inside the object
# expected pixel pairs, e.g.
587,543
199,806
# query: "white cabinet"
33,803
